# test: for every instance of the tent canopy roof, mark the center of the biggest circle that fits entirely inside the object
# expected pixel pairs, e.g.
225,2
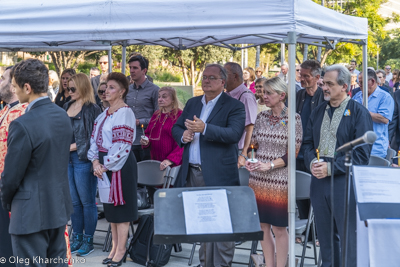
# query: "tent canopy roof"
96,24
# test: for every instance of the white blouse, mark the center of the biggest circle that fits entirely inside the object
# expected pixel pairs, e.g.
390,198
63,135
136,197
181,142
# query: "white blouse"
114,134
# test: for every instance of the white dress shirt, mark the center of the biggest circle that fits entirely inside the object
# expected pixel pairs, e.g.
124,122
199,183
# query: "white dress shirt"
194,149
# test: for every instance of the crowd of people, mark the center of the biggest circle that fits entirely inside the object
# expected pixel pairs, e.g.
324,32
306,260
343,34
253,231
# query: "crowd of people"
61,135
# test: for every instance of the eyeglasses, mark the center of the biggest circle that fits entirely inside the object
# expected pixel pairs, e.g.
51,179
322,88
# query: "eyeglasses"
103,63
100,92
210,78
258,71
388,68
71,89
258,86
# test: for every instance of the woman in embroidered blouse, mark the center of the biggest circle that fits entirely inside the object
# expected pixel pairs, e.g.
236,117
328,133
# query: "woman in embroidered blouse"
162,145
269,176
110,153
248,77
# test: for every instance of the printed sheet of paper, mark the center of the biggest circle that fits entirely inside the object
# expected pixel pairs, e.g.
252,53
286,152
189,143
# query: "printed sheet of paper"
377,185
207,212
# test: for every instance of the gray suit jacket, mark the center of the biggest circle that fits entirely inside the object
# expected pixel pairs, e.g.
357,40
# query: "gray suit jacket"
34,183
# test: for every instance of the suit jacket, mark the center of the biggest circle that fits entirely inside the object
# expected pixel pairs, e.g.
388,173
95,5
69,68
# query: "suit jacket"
219,144
34,183
394,125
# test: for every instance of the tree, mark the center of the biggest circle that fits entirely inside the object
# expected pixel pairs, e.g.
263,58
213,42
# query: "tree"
344,52
389,46
193,61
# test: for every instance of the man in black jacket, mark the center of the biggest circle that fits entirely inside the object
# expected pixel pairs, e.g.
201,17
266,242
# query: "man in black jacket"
394,125
306,100
34,183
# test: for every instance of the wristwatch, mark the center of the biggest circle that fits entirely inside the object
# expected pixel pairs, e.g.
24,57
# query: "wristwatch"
244,156
272,165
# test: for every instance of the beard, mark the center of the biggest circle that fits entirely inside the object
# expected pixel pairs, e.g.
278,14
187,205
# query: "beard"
5,93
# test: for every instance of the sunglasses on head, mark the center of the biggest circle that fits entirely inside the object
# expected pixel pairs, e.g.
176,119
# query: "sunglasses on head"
100,92
71,89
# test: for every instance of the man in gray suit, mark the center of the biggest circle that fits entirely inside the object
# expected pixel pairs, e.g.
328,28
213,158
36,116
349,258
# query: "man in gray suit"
34,183
209,129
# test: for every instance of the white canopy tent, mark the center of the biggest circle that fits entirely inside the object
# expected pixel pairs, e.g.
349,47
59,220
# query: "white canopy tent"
48,25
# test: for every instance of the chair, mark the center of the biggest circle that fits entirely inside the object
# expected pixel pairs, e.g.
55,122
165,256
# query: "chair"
378,161
303,182
173,174
390,154
149,174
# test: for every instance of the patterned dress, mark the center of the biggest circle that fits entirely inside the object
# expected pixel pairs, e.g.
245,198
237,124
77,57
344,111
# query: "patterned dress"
270,137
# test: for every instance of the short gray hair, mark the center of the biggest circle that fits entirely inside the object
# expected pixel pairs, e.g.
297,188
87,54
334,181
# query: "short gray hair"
344,75
285,65
222,71
383,73
312,65
278,85
235,68
53,75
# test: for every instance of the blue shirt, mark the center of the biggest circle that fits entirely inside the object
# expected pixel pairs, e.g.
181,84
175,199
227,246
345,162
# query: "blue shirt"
382,103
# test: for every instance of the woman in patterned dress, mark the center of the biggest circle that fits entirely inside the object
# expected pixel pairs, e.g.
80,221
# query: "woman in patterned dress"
269,176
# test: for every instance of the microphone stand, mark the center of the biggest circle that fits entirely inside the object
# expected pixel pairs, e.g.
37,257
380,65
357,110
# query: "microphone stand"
348,163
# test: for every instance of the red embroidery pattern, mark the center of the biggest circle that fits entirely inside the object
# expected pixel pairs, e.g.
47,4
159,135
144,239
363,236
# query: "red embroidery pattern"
99,139
122,134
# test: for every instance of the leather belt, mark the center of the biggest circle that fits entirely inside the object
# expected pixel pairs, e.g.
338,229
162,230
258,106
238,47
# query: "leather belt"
195,166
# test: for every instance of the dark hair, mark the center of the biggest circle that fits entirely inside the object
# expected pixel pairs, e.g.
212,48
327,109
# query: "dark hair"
121,80
95,68
353,60
144,62
33,72
10,67
312,65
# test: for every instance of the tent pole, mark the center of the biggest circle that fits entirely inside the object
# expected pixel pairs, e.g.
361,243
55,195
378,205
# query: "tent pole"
109,60
123,67
305,54
258,56
282,53
292,146
365,73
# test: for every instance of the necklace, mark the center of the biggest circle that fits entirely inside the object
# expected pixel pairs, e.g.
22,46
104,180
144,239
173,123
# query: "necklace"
157,121
276,120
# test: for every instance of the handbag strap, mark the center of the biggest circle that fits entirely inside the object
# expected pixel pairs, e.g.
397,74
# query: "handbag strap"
148,262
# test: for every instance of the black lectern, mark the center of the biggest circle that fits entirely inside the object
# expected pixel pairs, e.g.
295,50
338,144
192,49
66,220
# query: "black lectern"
169,216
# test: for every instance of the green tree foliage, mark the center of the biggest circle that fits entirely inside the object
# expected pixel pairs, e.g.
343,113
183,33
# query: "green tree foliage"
344,52
193,61
389,49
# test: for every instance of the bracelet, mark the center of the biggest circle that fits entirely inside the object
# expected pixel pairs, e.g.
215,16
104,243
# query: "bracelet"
272,165
244,156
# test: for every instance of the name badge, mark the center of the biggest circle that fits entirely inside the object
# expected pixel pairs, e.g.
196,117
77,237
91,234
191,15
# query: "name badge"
347,112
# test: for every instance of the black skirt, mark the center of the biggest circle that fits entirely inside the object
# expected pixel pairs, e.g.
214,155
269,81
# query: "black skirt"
127,212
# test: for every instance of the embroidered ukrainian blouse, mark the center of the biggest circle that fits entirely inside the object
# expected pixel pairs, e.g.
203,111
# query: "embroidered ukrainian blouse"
114,134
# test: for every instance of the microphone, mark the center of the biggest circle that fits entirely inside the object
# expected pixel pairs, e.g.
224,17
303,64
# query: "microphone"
368,138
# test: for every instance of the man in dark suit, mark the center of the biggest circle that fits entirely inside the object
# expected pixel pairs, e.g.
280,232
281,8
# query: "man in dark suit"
34,183
209,129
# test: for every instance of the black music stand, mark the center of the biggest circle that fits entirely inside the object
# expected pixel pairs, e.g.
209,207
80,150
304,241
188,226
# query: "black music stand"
169,216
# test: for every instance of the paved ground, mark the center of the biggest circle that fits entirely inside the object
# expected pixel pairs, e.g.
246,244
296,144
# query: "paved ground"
176,260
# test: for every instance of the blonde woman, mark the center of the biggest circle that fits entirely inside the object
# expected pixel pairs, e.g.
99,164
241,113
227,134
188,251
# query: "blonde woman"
269,176
82,110
159,131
